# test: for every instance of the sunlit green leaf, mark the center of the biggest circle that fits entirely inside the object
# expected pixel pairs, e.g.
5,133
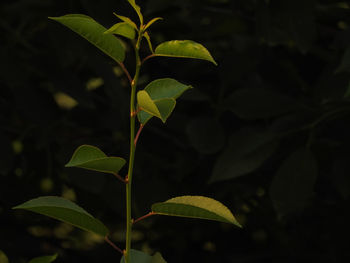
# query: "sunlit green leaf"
183,49
126,20
124,29
151,22
44,259
92,31
161,108
91,158
141,257
66,211
137,9
195,207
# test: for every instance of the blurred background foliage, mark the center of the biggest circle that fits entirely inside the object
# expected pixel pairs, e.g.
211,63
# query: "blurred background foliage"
266,132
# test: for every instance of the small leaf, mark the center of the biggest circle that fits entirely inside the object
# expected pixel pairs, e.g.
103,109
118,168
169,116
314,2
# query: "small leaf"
137,9
124,29
162,89
91,158
158,258
127,20
161,108
66,211
148,38
92,31
184,49
151,22
195,207
292,188
44,259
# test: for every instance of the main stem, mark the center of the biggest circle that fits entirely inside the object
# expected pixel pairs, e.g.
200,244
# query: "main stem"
132,150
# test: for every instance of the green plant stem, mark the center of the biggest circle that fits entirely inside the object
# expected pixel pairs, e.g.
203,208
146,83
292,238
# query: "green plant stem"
132,150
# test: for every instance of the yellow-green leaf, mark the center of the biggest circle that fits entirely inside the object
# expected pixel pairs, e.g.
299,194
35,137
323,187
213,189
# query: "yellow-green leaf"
195,207
44,259
124,29
161,108
137,9
183,49
66,211
92,31
151,22
126,20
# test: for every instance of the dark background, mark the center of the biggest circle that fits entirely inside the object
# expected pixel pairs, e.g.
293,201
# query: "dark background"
266,132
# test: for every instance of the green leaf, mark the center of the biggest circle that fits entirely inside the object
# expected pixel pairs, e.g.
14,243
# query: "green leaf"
137,256
151,22
161,108
92,31
127,20
66,211
292,188
183,49
137,9
162,89
195,207
91,158
166,88
44,259
148,38
124,29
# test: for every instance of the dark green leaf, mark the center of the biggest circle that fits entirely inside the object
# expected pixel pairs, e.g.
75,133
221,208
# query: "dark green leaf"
92,158
195,207
92,31
44,259
124,29
345,62
137,256
293,186
258,103
206,134
66,211
246,152
183,49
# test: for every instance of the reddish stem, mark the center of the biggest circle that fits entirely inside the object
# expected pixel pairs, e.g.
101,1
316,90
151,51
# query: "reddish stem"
143,217
113,245
120,178
138,134
148,57
126,72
